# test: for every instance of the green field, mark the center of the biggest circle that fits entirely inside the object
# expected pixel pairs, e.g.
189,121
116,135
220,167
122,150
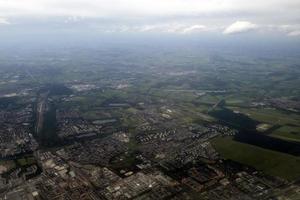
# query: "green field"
271,162
287,133
289,122
26,161
271,116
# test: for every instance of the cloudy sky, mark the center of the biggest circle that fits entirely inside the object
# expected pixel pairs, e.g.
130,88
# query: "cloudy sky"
228,17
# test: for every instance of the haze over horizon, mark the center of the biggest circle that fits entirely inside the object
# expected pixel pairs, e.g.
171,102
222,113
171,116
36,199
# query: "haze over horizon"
149,100
180,17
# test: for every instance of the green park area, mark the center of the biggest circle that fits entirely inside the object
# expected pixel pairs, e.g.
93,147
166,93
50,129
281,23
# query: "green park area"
271,162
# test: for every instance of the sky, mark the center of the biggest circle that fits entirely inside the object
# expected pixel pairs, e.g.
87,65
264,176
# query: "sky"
184,17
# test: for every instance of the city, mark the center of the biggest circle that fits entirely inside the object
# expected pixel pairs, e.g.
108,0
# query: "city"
149,100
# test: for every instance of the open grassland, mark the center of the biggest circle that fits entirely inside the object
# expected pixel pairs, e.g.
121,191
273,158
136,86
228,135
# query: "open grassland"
287,133
271,162
26,161
272,116
290,129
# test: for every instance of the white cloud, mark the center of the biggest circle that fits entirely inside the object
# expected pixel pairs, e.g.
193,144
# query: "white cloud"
73,19
194,29
240,27
148,28
288,29
4,21
175,16
294,33
174,28
266,9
